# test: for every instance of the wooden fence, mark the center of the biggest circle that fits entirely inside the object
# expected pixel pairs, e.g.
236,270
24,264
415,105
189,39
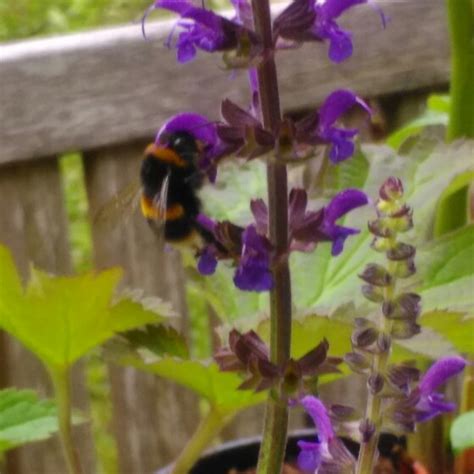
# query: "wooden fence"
104,93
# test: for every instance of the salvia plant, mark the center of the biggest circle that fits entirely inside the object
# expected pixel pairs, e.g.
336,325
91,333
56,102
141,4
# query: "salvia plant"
384,264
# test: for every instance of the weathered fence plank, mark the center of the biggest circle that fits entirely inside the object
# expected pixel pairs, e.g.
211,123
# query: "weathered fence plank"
87,90
143,404
33,225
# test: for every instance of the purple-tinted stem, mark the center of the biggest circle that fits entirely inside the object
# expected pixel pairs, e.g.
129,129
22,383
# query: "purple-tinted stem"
273,446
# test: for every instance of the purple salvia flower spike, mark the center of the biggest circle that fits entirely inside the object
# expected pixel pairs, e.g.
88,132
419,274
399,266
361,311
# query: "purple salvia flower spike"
311,454
340,205
432,404
440,372
320,416
336,105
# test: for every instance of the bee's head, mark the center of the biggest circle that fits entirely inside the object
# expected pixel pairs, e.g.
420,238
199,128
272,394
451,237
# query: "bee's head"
183,143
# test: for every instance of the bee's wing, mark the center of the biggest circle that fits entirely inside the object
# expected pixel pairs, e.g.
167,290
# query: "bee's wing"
160,203
120,207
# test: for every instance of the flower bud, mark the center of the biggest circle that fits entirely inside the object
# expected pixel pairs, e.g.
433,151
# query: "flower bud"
364,337
376,275
404,329
378,228
404,269
367,429
381,244
375,383
401,251
373,293
357,362
391,189
405,306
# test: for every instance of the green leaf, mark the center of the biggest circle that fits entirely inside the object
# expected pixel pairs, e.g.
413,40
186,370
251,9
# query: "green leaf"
462,432
446,270
322,281
457,328
160,339
205,379
24,418
61,318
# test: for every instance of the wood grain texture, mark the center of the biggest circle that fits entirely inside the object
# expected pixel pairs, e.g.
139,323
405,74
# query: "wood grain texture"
87,90
33,225
153,418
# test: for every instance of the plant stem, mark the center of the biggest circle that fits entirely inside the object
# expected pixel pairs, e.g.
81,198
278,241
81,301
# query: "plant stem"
62,389
272,451
461,31
207,430
369,451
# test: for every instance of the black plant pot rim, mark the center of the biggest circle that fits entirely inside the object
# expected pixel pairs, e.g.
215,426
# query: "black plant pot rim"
242,454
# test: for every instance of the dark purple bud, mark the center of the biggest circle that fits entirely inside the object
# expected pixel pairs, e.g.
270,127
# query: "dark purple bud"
402,329
367,430
378,228
401,251
375,383
373,293
384,343
377,275
404,306
402,376
364,337
357,362
404,269
391,189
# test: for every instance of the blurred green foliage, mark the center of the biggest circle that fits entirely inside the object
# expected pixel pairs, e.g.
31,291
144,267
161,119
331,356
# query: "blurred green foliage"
26,18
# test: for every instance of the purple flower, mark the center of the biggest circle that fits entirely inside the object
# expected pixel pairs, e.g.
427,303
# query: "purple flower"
340,205
311,20
431,403
205,30
205,133
307,228
318,127
311,454
253,272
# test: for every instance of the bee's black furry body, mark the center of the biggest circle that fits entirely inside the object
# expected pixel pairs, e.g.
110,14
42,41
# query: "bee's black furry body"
178,162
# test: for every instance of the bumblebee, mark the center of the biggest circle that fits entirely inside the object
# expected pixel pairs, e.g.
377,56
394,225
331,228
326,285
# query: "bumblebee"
170,181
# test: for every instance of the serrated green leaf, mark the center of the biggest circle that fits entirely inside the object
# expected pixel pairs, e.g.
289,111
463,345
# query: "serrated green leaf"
159,339
462,432
60,318
205,379
446,271
24,418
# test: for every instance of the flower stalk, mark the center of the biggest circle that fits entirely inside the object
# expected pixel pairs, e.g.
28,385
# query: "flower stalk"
402,310
62,390
276,417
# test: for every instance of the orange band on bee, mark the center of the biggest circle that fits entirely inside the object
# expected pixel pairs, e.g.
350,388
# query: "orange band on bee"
165,154
150,211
